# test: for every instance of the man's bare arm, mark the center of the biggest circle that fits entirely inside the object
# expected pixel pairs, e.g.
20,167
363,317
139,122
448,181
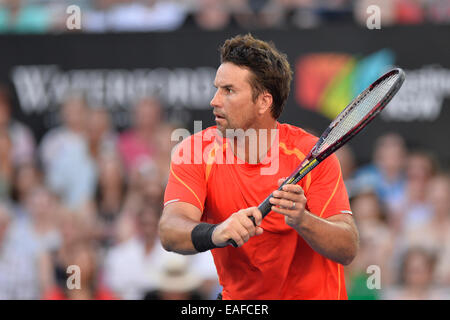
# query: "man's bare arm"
336,237
175,227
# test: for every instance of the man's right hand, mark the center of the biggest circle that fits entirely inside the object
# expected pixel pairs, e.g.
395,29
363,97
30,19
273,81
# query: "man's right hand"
238,227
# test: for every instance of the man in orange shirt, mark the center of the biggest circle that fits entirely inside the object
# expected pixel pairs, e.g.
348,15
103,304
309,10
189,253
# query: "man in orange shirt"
218,179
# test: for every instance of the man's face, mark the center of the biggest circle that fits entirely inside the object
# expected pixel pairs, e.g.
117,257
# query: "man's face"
233,104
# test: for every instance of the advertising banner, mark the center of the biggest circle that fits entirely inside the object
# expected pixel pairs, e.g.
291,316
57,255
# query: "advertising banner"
331,66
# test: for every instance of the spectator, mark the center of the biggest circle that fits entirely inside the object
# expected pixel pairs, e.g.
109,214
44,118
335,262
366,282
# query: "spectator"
102,139
110,195
21,137
434,235
146,15
6,166
66,147
74,123
409,12
335,10
438,11
176,281
73,231
212,14
21,17
147,182
386,173
412,208
27,177
23,267
97,18
347,162
416,278
259,14
131,266
39,225
375,238
387,11
110,186
138,145
165,147
84,256
301,14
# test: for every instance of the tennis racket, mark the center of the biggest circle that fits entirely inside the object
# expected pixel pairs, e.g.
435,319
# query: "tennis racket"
355,117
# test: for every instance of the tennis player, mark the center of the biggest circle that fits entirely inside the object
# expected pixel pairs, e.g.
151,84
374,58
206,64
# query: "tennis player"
298,250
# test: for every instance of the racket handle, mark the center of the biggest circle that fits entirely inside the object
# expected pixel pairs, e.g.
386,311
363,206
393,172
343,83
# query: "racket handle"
232,242
265,207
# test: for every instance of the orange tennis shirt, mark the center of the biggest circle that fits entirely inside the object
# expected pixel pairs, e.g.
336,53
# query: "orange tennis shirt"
278,264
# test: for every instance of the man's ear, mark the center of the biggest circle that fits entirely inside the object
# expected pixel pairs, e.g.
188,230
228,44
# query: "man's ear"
265,102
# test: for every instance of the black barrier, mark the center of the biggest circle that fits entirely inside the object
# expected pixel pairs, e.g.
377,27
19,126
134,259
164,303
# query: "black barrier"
331,65
203,310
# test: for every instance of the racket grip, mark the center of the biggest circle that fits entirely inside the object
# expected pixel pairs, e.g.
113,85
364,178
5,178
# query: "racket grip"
232,242
265,207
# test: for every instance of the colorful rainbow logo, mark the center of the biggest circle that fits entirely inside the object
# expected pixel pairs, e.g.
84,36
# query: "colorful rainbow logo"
327,82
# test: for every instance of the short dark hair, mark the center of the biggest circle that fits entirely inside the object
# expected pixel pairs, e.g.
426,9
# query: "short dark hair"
270,69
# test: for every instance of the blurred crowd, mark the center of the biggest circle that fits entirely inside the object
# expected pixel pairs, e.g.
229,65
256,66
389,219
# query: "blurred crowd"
50,16
401,205
87,196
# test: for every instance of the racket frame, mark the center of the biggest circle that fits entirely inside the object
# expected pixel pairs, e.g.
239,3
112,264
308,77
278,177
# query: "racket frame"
314,157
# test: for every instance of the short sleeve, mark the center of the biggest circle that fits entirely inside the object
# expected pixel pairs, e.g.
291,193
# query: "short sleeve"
327,195
186,181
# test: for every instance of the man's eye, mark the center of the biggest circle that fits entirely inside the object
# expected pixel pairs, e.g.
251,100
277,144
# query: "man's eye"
229,90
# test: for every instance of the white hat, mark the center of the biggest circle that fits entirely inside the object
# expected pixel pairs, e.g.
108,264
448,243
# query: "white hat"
177,276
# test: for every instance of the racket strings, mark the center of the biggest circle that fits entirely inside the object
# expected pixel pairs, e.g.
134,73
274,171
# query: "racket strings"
358,110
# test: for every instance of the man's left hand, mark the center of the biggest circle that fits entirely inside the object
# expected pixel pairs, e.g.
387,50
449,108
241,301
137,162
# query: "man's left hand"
290,202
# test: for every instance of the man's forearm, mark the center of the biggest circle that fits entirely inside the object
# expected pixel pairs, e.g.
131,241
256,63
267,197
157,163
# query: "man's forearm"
175,234
336,240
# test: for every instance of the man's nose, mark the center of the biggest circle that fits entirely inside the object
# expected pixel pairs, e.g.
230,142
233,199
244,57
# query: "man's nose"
216,101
